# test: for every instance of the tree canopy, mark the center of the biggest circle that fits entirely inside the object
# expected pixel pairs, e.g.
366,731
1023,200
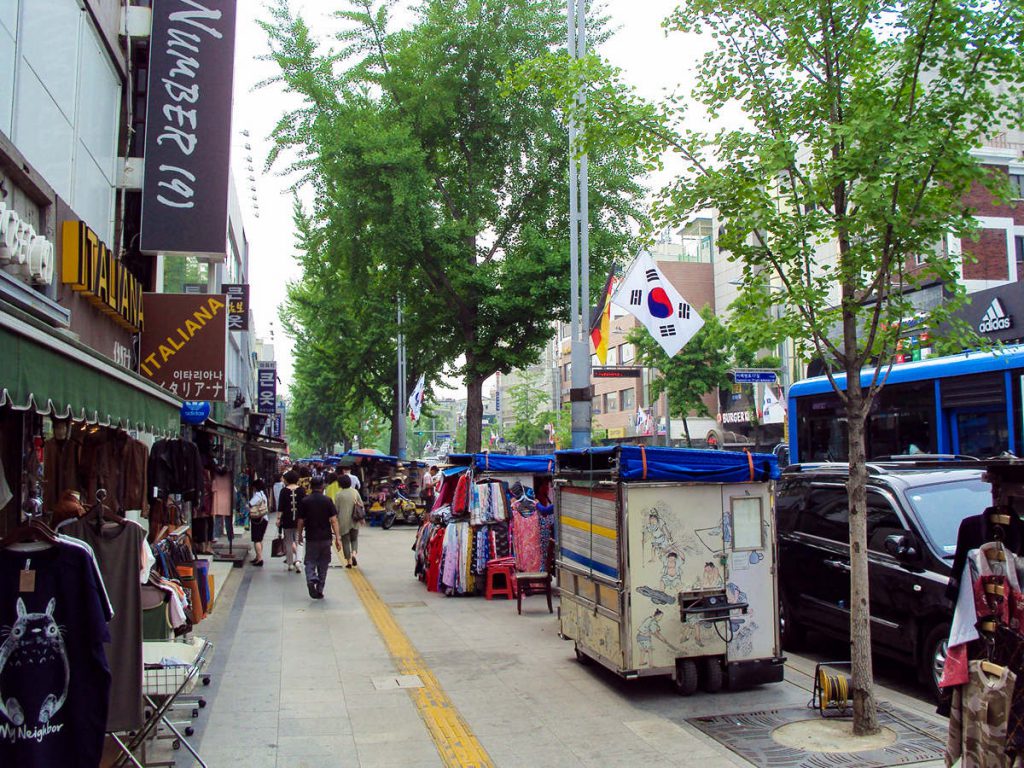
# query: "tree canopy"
433,181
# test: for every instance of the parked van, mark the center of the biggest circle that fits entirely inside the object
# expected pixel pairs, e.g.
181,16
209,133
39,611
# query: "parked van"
914,512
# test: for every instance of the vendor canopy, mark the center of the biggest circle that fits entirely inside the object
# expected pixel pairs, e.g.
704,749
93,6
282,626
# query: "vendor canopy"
689,465
542,464
66,379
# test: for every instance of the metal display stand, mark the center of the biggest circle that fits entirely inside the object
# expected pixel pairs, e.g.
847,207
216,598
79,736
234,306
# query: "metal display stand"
163,686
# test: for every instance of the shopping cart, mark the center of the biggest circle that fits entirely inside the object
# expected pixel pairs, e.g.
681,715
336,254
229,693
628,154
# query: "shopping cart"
170,674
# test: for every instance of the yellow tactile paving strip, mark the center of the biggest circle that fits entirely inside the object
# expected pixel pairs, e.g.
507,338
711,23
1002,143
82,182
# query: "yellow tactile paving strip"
455,742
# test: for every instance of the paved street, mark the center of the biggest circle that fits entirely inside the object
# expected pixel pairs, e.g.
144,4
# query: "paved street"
302,683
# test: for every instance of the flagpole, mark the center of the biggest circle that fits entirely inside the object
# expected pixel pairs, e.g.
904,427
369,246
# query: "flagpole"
580,397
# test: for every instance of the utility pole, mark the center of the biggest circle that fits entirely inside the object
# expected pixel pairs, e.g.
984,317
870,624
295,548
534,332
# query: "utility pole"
579,256
400,425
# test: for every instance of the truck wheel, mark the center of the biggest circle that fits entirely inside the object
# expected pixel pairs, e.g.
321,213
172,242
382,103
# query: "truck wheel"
686,677
712,676
933,657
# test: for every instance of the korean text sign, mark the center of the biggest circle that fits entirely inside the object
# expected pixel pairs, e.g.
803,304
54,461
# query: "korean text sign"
266,388
184,346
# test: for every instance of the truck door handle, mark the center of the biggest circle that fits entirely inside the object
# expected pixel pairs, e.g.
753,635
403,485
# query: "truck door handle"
839,565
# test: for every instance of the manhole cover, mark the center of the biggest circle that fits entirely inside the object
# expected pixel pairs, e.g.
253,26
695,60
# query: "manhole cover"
750,735
394,682
413,604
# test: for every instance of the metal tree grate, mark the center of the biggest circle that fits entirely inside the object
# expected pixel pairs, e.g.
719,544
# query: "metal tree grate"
749,735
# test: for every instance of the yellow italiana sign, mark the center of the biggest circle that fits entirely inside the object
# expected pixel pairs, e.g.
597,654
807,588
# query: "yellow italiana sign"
93,270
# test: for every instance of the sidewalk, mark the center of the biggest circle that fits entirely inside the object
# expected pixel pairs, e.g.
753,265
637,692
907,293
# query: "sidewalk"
303,683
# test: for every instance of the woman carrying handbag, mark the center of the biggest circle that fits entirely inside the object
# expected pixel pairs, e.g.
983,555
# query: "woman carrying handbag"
288,506
259,507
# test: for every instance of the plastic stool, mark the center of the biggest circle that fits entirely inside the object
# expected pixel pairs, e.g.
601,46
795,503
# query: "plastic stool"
506,570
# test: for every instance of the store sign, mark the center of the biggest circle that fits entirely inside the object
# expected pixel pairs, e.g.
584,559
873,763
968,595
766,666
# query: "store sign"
195,412
188,127
184,345
995,318
93,270
266,388
754,376
275,425
735,417
616,373
238,305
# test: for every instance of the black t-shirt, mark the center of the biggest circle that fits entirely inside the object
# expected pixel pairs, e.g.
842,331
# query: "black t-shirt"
54,678
288,506
316,510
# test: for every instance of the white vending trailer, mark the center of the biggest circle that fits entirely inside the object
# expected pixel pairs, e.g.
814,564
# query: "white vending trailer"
666,563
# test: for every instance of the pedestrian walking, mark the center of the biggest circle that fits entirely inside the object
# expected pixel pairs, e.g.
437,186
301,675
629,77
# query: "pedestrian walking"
350,514
345,471
288,512
317,525
259,506
331,483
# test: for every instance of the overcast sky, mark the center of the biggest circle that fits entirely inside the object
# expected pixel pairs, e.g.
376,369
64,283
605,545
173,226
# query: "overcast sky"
653,62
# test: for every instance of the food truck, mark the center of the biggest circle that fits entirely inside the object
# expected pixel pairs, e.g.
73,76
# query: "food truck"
666,563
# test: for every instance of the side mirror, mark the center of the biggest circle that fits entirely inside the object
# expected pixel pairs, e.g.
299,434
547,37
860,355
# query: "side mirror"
902,546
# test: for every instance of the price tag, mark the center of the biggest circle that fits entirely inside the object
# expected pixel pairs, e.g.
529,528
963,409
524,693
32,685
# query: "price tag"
27,581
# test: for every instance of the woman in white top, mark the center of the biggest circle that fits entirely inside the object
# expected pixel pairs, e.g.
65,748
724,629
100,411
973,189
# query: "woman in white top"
258,509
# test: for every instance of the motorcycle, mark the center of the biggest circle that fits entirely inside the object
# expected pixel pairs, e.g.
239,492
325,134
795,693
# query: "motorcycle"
395,503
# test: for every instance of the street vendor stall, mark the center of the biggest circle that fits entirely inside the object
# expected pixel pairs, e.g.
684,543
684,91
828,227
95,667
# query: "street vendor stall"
388,486
666,563
490,507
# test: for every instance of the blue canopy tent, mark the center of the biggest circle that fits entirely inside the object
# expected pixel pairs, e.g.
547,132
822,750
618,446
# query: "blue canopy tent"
542,464
687,465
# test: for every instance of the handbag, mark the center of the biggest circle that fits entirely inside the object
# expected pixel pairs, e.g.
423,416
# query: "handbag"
277,546
358,513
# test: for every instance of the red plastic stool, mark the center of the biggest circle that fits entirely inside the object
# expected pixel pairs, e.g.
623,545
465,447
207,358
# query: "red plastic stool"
505,568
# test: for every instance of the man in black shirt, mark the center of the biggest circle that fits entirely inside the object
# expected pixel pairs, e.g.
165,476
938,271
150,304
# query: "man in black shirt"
317,520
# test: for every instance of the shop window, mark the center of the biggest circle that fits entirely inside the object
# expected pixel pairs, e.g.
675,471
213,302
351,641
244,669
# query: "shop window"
611,402
628,399
1018,247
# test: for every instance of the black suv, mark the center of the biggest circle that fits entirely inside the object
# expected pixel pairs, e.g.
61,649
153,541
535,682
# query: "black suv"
914,512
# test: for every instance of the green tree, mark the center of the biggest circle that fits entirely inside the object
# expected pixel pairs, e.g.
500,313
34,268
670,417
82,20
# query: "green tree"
528,400
428,171
699,369
845,179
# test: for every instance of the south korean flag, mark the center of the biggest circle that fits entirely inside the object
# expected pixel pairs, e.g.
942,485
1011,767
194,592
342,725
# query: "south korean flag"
645,293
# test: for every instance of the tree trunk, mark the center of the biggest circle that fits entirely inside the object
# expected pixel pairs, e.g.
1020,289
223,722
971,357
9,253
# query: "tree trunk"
397,412
865,713
474,414
686,433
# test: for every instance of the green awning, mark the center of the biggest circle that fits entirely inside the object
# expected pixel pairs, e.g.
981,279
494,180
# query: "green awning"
43,371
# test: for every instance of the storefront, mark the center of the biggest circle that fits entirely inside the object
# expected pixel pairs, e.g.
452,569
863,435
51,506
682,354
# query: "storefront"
72,420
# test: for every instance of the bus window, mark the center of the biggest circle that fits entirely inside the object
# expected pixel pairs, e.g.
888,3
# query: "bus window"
982,434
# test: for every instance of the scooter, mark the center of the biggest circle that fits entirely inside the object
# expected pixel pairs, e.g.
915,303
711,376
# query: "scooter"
397,503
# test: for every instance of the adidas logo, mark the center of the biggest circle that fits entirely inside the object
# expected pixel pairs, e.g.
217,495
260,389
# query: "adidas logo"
995,318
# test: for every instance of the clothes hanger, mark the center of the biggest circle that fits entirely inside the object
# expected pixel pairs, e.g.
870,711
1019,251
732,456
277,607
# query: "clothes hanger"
103,514
34,531
992,669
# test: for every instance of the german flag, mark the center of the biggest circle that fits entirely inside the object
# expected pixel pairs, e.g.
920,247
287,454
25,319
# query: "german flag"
601,318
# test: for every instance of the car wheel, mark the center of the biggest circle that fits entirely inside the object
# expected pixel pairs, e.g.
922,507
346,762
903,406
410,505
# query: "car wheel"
686,677
792,635
712,676
933,657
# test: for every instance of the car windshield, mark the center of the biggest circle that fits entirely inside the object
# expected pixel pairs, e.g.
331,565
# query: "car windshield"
942,506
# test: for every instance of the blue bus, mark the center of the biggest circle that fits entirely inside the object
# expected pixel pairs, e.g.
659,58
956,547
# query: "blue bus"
967,404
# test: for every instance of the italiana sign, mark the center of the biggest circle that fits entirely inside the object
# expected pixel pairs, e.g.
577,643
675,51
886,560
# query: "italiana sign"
91,268
184,346
188,127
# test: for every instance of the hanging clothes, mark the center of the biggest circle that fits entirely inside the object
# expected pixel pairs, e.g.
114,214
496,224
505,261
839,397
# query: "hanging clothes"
526,536
53,668
119,554
488,503
977,721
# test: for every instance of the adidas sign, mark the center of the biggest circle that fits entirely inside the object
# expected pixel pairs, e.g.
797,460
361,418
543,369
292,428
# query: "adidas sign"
995,318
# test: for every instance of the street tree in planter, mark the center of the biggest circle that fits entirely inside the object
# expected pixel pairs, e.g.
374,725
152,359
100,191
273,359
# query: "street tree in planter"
843,186
700,368
417,150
